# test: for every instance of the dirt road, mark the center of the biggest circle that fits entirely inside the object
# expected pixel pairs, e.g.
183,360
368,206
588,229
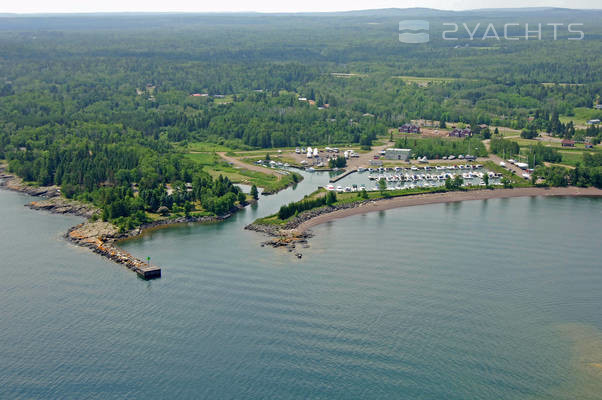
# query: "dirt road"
250,167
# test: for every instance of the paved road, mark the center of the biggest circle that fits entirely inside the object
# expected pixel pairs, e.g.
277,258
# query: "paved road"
517,171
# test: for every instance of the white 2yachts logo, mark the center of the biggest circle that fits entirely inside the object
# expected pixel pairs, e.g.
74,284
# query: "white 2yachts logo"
416,31
414,36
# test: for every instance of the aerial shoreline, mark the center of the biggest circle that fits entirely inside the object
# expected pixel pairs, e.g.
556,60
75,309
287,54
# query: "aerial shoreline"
438,198
100,237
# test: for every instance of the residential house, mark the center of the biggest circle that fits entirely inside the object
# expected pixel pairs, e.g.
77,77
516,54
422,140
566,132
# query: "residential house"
460,133
409,128
568,143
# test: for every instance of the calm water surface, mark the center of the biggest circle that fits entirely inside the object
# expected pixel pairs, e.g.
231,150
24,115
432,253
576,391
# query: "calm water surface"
496,299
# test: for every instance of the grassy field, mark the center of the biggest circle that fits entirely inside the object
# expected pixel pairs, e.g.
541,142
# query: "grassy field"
215,166
505,132
551,84
571,156
206,159
582,115
206,147
532,142
424,81
224,100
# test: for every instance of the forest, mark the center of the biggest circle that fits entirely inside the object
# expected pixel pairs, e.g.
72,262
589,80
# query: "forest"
100,104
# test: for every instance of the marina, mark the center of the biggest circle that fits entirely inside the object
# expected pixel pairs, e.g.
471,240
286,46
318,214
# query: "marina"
413,177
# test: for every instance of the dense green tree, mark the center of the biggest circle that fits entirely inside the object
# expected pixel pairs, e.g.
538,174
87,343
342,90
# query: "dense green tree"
254,192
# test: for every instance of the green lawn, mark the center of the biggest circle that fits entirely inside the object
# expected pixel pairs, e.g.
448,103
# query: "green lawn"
215,166
224,100
205,158
572,157
206,147
582,115
532,142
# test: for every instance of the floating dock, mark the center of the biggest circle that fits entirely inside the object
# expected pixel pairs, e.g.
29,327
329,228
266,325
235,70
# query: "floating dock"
339,177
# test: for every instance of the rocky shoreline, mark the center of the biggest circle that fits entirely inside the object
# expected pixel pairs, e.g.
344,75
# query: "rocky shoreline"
288,236
53,202
100,237
289,228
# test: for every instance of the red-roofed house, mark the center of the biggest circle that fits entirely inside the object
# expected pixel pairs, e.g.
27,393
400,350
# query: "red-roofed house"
568,143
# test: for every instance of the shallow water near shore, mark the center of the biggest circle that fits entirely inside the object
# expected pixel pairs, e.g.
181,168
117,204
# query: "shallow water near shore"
495,299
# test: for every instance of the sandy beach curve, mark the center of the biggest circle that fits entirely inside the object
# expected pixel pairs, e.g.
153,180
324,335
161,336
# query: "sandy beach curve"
447,197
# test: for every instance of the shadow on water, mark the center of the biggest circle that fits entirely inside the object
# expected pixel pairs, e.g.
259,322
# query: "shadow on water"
453,207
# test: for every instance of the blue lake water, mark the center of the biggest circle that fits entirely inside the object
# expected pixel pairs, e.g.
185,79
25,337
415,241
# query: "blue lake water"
496,299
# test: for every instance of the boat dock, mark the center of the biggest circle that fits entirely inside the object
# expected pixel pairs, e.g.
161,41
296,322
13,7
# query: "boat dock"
339,177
